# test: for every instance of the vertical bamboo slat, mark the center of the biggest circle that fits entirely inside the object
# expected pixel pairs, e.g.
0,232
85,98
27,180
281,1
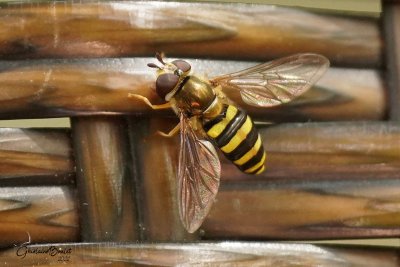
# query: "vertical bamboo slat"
391,26
107,201
157,186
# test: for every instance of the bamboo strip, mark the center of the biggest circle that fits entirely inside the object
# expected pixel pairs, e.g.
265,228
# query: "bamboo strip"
106,194
157,182
35,156
38,214
199,254
111,28
87,87
306,210
318,151
391,22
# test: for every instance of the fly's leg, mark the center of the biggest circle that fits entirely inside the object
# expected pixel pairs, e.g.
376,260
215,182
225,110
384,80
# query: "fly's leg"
171,133
147,102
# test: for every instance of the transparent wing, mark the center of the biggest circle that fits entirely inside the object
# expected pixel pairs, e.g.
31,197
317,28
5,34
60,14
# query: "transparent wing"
198,176
278,81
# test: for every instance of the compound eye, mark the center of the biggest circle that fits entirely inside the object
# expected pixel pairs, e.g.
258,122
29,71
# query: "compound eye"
166,83
182,65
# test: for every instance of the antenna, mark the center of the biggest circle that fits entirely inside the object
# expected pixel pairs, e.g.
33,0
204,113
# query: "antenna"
154,66
159,56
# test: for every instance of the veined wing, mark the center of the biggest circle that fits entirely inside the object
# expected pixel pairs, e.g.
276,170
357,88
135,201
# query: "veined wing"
198,176
278,81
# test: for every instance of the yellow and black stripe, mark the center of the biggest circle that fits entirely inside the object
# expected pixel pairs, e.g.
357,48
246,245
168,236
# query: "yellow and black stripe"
235,134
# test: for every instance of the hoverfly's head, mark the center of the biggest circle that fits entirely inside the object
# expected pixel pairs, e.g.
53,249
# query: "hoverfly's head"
169,76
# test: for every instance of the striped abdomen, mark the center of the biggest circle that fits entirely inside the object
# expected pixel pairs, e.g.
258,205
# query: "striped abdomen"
236,136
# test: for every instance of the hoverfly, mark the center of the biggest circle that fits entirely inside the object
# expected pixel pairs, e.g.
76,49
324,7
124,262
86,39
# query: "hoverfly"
206,119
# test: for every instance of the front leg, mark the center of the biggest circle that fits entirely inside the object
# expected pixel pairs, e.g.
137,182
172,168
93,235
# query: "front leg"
147,102
171,133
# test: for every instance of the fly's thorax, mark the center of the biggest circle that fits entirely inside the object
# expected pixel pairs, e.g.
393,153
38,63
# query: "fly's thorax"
213,110
195,95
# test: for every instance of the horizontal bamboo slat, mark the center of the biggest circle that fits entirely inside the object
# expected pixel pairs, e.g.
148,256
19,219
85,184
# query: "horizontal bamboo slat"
306,210
327,150
40,214
200,254
112,28
35,156
47,88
